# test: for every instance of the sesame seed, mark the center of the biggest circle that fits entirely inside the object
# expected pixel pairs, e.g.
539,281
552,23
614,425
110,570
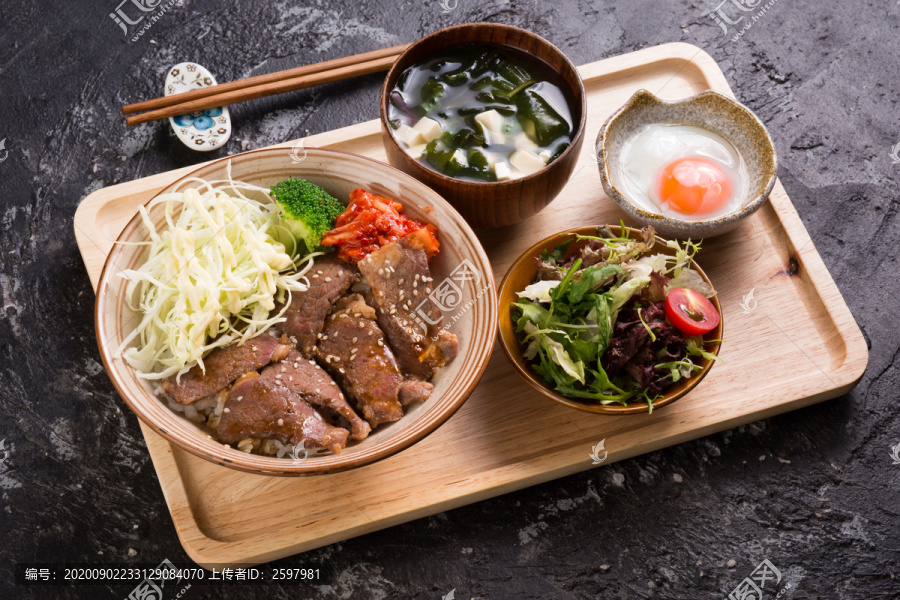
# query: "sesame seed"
417,277
402,280
427,290
312,362
341,370
315,276
357,315
393,311
327,279
340,272
280,422
278,376
240,398
371,332
317,391
319,271
381,271
415,283
319,336
227,410
290,378
415,292
355,339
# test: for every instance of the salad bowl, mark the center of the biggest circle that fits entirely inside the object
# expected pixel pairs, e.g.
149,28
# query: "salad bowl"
522,273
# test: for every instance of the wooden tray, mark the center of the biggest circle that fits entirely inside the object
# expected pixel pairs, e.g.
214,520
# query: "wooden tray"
506,436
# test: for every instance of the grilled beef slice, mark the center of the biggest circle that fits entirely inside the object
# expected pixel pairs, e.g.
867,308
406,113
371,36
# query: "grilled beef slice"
307,379
260,407
354,351
329,278
223,366
400,280
414,390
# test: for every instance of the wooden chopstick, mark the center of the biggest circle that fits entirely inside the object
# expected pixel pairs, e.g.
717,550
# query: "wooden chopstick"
263,85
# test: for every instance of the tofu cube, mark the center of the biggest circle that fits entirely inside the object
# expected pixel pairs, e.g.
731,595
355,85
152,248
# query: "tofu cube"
526,162
409,136
502,171
457,161
490,120
416,151
428,128
546,156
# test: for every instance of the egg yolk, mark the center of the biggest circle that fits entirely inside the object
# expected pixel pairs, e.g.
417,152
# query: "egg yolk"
694,186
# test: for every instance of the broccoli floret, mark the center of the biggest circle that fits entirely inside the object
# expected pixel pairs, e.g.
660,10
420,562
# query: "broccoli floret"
308,210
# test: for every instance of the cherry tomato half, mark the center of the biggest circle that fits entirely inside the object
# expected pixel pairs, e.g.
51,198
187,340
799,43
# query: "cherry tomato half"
691,312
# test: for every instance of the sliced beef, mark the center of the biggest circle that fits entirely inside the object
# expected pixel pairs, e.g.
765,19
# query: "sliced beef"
259,407
329,278
400,280
225,365
354,350
414,390
307,379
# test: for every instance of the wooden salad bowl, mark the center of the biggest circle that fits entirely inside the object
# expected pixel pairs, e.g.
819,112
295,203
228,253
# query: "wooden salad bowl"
474,314
522,273
501,203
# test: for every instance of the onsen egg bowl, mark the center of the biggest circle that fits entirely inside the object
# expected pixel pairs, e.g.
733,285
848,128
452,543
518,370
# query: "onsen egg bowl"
709,110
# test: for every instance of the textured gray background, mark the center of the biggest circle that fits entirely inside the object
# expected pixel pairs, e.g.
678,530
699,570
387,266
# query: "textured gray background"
814,491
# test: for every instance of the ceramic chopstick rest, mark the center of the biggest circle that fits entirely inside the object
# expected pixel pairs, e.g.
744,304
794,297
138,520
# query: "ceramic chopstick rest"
203,130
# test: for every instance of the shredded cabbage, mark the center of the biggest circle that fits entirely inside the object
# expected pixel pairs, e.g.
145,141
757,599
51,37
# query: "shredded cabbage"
211,277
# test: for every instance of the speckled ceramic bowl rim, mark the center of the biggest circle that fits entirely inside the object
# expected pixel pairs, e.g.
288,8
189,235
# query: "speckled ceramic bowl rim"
580,126
619,198
215,452
541,386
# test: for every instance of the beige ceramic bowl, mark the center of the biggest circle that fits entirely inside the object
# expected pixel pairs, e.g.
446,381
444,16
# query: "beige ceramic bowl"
709,110
338,173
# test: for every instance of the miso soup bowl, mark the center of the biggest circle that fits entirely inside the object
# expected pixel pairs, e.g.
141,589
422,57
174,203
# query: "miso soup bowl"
501,203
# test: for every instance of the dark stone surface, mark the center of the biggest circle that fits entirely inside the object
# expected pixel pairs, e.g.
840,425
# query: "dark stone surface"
814,491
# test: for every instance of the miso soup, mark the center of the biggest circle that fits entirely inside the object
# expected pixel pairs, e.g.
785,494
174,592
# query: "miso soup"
481,112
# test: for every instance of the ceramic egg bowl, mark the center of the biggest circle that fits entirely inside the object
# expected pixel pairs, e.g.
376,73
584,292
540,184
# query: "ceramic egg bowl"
709,110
